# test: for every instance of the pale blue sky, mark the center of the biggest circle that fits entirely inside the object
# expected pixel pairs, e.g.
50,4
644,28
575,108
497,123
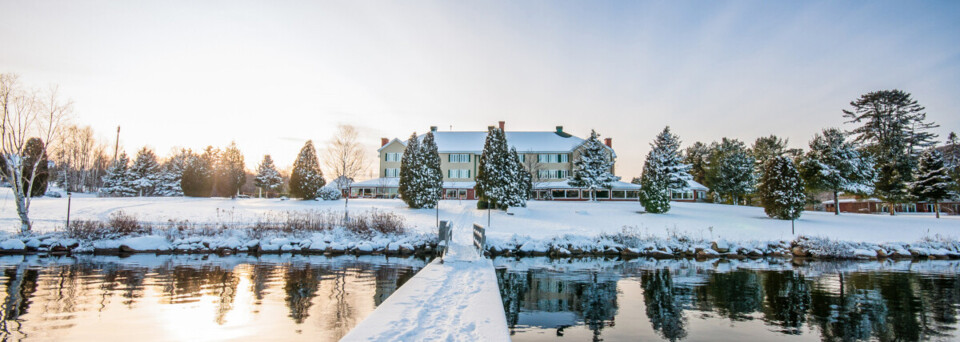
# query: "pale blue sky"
273,74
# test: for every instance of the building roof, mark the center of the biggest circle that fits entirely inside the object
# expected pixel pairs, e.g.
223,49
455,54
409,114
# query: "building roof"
618,185
693,185
472,142
393,182
853,200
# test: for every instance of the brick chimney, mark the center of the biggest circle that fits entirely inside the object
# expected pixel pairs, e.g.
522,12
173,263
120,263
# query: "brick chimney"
433,129
384,141
559,129
608,142
501,125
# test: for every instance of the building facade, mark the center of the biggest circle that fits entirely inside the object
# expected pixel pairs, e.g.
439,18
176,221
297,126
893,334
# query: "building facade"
548,155
875,206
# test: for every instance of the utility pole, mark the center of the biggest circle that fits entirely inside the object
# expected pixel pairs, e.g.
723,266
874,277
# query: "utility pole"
116,148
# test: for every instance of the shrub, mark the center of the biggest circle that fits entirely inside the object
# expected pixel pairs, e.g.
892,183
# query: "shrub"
123,223
376,221
86,229
328,193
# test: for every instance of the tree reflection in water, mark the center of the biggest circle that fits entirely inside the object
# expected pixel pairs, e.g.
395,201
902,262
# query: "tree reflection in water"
62,298
843,306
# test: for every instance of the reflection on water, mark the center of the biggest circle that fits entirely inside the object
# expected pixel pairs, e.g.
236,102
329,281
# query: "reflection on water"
194,298
748,301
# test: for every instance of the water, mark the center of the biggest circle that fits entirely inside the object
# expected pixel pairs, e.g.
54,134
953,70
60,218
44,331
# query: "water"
648,300
193,298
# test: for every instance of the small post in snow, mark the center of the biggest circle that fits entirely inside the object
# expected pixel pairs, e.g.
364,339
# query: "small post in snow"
69,198
488,214
793,228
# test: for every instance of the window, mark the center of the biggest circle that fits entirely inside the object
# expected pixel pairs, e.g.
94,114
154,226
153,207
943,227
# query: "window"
459,158
633,194
392,157
559,194
685,195
552,158
458,173
523,157
391,172
451,193
604,194
619,194
558,174
573,193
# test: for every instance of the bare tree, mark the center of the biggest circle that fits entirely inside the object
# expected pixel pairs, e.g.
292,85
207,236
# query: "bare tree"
76,156
345,160
534,166
26,113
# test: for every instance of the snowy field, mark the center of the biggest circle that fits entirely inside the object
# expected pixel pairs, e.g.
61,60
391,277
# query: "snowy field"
540,220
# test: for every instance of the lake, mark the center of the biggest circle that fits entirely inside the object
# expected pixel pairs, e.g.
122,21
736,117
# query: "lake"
286,297
753,300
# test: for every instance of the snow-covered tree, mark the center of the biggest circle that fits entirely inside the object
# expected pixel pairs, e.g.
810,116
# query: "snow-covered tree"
893,128
495,173
410,168
781,189
834,164
306,177
144,173
951,158
730,171
932,182
171,173
197,178
663,172
268,178
431,184
116,183
523,181
230,171
663,304
769,147
698,157
592,170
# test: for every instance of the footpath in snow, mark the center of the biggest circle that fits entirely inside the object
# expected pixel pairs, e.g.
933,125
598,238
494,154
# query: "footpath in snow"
457,300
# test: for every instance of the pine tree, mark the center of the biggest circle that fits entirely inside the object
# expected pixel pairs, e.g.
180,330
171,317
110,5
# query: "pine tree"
197,178
410,168
115,182
951,158
592,168
781,189
731,169
144,173
268,178
171,174
306,178
494,173
523,182
230,171
663,172
432,175
893,129
769,147
834,164
697,156
34,151
932,182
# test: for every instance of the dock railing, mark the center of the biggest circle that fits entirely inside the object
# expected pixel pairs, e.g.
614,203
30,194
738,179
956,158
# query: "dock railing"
479,237
444,236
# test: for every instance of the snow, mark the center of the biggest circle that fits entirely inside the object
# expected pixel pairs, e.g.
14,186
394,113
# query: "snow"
541,219
12,244
616,185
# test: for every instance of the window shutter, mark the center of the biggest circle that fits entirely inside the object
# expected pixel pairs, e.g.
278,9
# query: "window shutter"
468,174
468,158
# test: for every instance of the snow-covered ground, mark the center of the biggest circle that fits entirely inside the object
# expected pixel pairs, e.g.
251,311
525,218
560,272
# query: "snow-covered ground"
540,220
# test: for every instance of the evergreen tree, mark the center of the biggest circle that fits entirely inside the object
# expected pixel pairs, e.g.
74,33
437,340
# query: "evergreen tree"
268,178
769,147
144,173
932,182
952,160
306,178
33,152
494,171
592,168
781,189
524,181
834,164
697,156
197,178
230,171
171,173
410,179
663,172
893,129
432,175
115,182
731,169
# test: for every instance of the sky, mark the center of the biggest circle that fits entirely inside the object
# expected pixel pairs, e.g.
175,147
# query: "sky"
272,74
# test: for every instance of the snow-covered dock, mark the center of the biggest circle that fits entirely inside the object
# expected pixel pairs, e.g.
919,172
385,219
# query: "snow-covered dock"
457,300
